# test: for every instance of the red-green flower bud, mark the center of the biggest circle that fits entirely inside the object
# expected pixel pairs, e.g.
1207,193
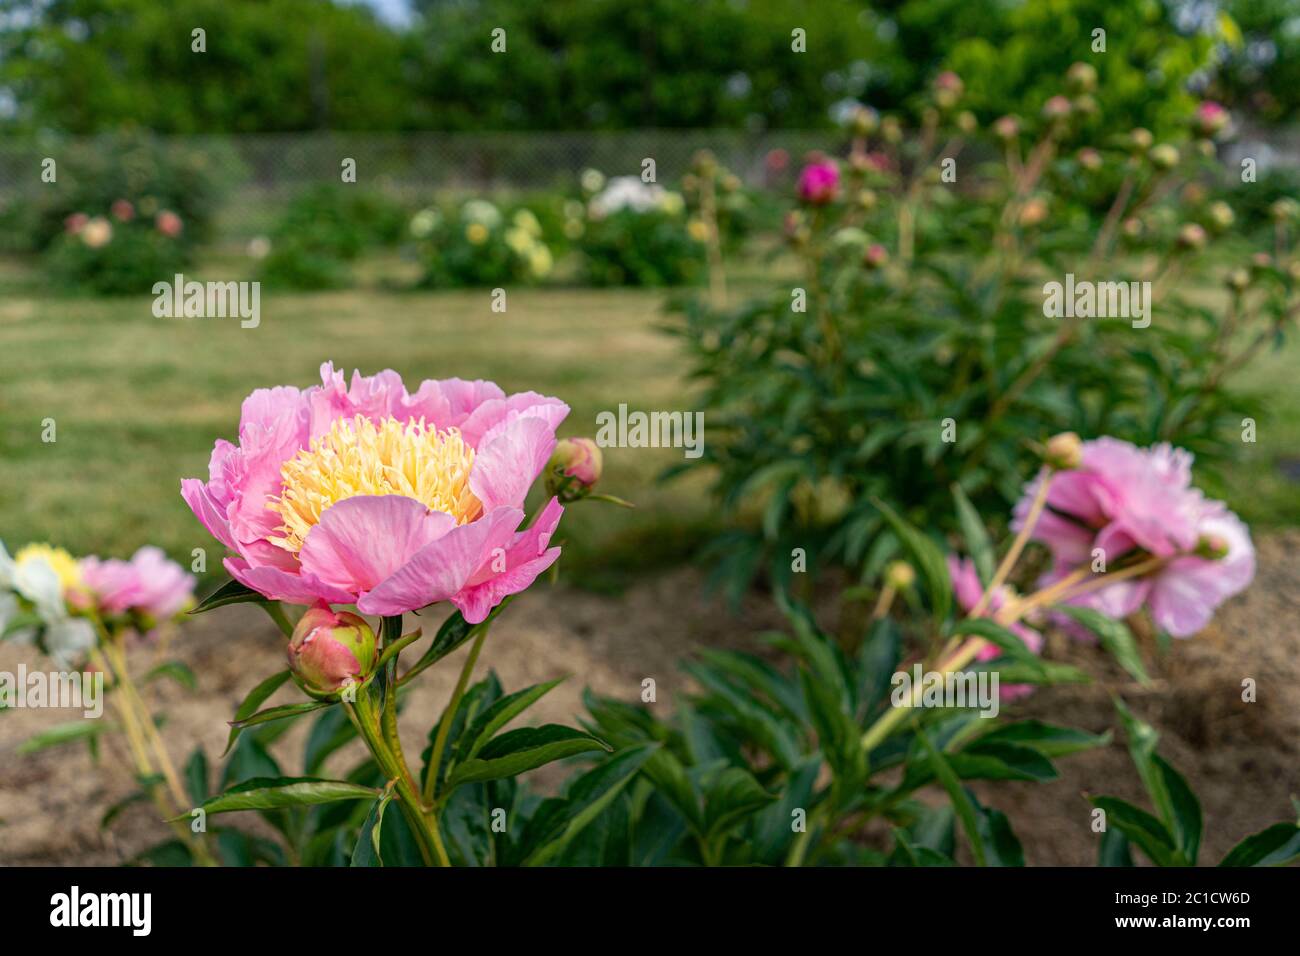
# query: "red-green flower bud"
574,468
948,88
1089,159
1209,119
1057,108
1284,209
328,651
1033,212
1191,236
1212,547
1006,127
875,256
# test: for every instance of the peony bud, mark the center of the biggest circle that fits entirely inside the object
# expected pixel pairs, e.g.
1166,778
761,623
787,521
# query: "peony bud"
891,131
865,121
1221,215
1064,451
1284,209
1212,547
1033,212
1209,119
875,256
1082,78
574,468
1057,108
1191,236
1238,280
329,651
1163,156
1089,159
900,575
966,122
948,88
1140,140
1006,127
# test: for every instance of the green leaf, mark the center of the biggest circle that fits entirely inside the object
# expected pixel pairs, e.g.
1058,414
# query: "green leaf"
1141,829
196,775
385,839
1142,740
559,819
329,732
1114,850
975,535
961,801
454,632
1275,846
273,793
732,796
1001,846
1048,739
927,556
502,711
176,671
521,750
1186,820
283,712
877,661
64,733
116,809
232,592
254,700
1115,637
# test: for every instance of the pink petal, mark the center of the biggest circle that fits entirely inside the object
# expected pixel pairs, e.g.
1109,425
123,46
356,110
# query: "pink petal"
361,541
441,568
280,585
506,467
526,557
491,418
205,509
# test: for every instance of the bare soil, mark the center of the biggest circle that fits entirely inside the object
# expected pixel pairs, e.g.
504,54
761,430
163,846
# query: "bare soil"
1240,757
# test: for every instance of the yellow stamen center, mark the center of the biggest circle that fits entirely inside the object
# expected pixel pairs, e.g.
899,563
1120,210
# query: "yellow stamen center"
358,457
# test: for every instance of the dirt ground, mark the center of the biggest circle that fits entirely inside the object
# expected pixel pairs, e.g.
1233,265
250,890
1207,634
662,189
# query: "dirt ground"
1241,758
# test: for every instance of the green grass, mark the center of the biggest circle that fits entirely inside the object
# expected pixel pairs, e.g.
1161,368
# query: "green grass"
138,402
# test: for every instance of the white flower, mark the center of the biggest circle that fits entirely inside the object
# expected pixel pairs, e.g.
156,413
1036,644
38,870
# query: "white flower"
592,180
424,222
482,212
626,192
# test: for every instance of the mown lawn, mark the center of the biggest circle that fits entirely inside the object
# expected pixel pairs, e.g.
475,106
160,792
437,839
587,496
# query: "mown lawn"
138,401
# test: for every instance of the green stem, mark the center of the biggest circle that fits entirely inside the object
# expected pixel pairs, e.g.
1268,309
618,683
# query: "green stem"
444,727
367,722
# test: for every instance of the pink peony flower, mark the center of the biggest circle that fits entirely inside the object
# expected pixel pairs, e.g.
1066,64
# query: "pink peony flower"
1209,119
149,583
1126,500
122,210
169,224
968,590
370,495
75,223
96,233
819,182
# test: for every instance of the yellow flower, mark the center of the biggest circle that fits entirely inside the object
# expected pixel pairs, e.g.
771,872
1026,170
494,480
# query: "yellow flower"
698,230
476,233
60,562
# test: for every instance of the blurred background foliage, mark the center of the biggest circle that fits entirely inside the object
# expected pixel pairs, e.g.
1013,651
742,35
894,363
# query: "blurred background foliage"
84,66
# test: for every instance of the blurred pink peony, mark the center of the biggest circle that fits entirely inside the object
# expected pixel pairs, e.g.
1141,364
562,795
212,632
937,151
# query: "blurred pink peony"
122,210
1126,500
1209,119
149,583
968,591
819,182
169,224
75,223
372,495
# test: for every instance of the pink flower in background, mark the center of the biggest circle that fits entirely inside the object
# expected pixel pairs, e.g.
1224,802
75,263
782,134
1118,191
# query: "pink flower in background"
122,210
75,223
776,162
149,583
819,182
1210,118
1127,500
391,500
169,224
968,590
